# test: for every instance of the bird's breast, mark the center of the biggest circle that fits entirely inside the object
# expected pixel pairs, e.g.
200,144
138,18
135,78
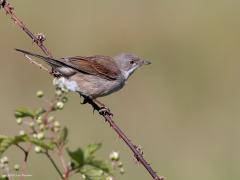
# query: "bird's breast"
94,86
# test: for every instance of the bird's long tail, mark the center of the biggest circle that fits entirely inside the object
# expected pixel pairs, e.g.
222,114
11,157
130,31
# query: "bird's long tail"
51,61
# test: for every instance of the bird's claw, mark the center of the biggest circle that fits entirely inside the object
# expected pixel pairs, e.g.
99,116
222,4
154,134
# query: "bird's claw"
105,111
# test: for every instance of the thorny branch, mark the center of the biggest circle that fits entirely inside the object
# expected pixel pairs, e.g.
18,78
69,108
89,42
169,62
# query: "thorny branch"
38,39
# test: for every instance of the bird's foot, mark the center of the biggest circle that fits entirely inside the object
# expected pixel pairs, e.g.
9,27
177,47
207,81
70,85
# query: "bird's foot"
97,105
105,111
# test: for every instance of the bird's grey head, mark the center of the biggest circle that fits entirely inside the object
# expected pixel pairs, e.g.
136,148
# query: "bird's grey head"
128,63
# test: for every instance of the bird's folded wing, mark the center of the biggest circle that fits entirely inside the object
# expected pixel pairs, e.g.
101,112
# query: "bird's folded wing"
101,66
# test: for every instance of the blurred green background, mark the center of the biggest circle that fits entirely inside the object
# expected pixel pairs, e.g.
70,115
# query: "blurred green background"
183,109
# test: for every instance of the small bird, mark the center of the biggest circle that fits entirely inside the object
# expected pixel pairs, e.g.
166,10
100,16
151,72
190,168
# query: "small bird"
94,76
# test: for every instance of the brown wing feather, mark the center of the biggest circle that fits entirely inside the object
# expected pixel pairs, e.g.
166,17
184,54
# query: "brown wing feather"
102,66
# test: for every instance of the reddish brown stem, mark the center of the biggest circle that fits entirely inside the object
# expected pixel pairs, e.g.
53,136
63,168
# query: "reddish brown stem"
138,154
39,41
10,10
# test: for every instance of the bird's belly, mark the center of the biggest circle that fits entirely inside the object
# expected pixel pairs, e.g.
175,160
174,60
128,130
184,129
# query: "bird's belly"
94,86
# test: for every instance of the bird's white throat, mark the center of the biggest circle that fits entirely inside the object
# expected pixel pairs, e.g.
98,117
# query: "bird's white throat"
126,74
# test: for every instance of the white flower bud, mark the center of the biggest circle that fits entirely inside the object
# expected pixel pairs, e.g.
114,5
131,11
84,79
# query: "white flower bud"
40,136
19,121
50,119
16,167
34,135
114,156
56,124
60,105
22,133
39,94
4,160
38,149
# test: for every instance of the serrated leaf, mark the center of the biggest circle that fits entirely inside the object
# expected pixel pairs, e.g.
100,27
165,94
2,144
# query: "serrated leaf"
63,136
91,149
24,112
77,157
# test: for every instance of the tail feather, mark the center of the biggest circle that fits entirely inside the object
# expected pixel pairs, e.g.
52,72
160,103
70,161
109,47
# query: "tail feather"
51,61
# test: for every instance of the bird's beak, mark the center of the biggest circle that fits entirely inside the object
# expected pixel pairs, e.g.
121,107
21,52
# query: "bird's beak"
145,62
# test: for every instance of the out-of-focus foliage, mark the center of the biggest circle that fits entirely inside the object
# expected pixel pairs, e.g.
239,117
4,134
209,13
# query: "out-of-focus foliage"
46,135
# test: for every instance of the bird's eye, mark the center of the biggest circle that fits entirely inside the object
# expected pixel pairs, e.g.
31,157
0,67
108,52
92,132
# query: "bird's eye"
132,62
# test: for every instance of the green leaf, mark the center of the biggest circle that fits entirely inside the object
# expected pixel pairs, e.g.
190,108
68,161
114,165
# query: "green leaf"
38,112
19,138
41,143
2,137
63,136
24,112
94,174
3,178
90,150
6,142
103,165
77,157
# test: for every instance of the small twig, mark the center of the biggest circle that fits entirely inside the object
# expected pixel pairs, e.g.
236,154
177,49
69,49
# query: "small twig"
36,38
24,151
50,108
36,63
39,41
54,164
26,155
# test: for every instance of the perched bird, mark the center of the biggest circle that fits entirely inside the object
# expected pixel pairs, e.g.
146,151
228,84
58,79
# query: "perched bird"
94,76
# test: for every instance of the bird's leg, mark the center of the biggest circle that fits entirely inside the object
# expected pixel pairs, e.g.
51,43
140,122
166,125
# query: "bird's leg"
97,105
100,104
89,100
